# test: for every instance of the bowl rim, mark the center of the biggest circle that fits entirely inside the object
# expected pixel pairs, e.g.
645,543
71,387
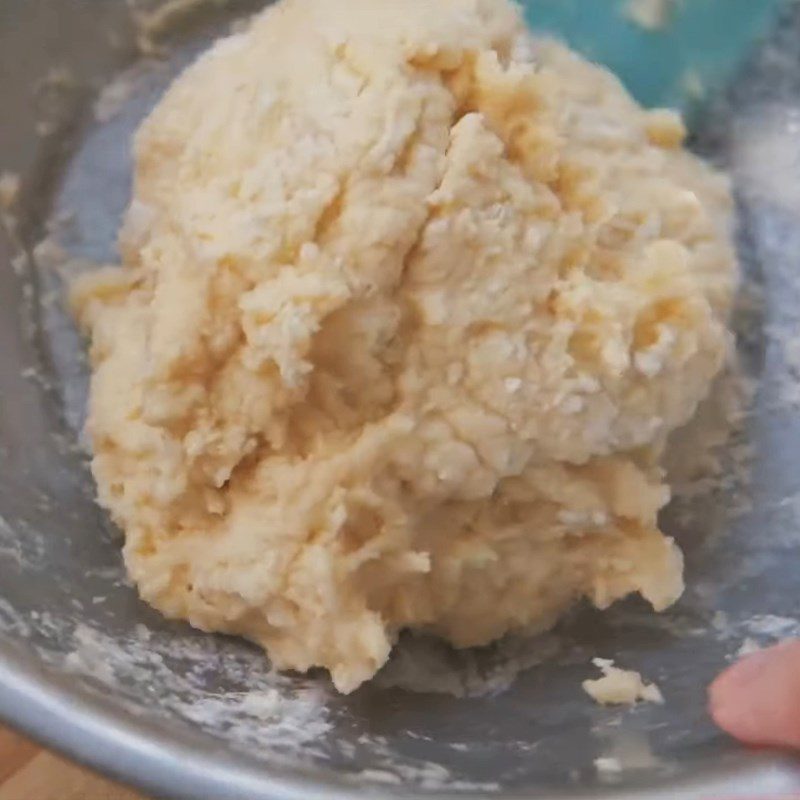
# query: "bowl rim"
60,713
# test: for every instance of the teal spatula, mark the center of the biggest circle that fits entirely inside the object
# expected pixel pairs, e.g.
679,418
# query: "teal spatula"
696,51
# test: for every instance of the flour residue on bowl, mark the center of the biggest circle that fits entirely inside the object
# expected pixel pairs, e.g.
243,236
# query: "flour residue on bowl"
274,714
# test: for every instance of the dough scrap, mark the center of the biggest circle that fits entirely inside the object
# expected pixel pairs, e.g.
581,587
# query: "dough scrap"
410,304
620,686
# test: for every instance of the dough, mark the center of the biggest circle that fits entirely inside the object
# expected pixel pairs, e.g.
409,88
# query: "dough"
620,686
410,304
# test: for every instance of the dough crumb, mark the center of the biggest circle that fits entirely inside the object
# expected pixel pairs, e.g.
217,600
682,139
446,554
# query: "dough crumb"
620,686
651,15
9,190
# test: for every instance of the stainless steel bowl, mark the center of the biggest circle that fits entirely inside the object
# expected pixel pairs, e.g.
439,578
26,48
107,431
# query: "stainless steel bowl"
87,668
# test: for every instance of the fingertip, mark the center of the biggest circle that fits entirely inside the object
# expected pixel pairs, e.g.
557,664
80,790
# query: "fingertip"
757,700
732,716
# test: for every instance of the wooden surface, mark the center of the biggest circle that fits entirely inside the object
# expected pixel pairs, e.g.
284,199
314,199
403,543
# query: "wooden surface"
29,773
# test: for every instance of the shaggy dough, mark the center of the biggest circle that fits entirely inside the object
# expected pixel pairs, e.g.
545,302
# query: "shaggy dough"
410,304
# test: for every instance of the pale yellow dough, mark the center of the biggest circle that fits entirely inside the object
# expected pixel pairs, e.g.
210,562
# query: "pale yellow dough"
409,306
620,686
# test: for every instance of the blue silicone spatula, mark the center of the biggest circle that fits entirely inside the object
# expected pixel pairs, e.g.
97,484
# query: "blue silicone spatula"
694,50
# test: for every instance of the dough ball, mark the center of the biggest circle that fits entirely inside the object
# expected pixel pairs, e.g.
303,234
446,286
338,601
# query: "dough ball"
410,303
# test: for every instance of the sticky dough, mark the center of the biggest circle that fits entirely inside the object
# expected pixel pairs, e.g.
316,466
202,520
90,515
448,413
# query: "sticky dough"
410,303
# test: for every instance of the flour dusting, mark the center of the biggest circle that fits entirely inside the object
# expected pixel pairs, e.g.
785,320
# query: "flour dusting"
274,715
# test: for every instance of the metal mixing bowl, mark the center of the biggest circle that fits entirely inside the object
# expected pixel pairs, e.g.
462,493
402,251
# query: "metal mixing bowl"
87,668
